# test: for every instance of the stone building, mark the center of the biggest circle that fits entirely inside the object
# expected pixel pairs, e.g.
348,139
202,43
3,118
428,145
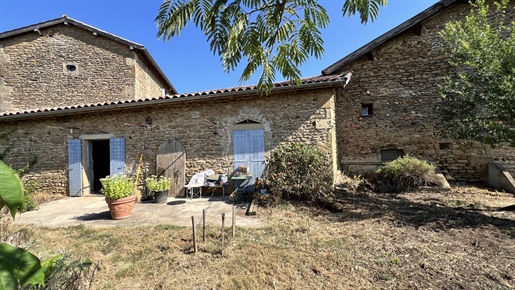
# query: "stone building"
77,146
386,110
389,108
132,113
63,63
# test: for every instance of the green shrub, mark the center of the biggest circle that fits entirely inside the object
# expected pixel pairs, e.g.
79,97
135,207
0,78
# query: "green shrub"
63,273
404,174
117,187
155,184
29,203
299,171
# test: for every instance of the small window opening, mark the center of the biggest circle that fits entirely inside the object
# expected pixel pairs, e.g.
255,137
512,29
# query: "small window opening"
390,154
71,67
367,110
445,146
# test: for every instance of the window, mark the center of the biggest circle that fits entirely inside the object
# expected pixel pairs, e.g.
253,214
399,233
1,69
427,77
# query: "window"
367,110
445,146
390,154
70,68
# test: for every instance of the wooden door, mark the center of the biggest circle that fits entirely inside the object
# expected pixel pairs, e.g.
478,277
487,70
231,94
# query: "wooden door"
171,162
249,150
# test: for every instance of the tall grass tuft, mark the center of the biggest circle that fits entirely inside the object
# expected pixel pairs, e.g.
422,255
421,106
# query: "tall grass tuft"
405,174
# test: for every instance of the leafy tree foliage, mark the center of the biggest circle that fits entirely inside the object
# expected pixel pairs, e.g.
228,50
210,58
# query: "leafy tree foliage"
479,100
275,35
15,264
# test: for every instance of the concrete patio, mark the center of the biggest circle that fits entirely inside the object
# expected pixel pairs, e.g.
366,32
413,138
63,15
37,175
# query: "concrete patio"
93,211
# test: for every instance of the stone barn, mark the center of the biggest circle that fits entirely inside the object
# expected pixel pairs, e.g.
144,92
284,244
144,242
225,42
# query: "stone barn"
389,109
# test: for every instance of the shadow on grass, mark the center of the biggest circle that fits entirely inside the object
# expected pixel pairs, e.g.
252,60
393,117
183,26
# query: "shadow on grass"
404,212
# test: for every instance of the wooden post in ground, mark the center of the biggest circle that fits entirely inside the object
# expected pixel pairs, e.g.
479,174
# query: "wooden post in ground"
194,234
223,232
204,225
233,221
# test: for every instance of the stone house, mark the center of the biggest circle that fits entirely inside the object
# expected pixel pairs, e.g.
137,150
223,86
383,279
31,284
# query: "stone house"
63,63
74,144
386,110
99,104
389,108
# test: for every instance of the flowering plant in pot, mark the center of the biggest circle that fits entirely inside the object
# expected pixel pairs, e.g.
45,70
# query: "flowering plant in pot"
119,192
159,187
241,170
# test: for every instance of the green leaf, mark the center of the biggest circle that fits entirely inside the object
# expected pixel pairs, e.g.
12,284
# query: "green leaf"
49,265
276,36
368,9
17,264
11,189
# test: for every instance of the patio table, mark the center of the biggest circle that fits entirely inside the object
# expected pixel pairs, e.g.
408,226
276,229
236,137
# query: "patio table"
214,178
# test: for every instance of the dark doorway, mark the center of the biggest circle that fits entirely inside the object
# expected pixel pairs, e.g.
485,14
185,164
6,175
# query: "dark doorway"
99,163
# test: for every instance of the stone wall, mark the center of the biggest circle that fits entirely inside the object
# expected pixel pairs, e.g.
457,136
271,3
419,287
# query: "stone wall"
201,126
146,83
65,66
400,81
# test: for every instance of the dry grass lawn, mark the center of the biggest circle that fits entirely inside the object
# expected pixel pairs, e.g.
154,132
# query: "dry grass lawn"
448,240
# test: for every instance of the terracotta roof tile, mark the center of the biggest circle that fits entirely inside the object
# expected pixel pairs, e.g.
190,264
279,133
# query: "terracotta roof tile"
245,90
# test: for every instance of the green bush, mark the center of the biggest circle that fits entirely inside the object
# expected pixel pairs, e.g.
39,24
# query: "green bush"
155,184
403,175
299,171
117,187
29,203
61,272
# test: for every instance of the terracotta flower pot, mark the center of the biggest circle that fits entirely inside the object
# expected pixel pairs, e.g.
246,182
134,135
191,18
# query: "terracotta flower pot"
121,208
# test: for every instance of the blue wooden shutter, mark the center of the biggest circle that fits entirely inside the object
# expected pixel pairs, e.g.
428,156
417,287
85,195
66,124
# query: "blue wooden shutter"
117,156
75,167
257,145
239,148
249,149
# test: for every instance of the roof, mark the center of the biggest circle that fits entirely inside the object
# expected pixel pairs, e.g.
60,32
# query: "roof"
317,82
65,20
412,23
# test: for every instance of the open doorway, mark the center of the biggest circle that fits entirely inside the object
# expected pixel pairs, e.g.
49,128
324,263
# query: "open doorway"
99,163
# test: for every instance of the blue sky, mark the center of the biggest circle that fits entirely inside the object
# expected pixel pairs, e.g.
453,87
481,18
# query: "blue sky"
186,60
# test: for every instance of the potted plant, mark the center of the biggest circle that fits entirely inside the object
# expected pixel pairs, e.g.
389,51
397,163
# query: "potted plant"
119,194
159,187
242,170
